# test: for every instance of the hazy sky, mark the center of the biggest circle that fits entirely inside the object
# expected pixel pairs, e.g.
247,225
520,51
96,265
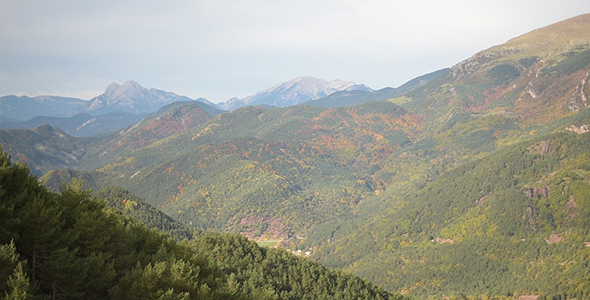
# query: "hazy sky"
234,48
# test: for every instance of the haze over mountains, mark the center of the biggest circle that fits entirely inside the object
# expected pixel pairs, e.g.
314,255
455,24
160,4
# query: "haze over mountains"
128,97
296,91
131,97
22,108
356,97
82,124
127,104
117,107
472,181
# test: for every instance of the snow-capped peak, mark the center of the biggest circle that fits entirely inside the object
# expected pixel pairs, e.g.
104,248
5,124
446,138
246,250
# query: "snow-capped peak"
295,91
132,97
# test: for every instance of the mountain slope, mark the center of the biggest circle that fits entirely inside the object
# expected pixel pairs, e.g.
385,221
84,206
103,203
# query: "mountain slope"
25,108
498,201
473,185
511,222
536,78
43,148
356,97
169,120
80,125
296,91
228,173
420,81
79,249
143,212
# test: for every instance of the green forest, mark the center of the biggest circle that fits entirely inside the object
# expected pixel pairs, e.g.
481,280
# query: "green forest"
287,169
71,245
513,223
474,185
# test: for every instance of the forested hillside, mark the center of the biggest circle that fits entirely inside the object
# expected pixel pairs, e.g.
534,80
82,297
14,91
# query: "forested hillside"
80,125
263,172
356,97
169,120
515,222
134,207
502,205
44,148
47,147
475,185
69,245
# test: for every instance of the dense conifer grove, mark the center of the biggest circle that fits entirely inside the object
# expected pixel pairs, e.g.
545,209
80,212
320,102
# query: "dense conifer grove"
71,245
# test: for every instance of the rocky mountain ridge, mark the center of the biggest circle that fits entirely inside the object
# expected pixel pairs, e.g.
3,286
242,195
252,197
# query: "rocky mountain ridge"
117,107
82,124
127,97
23,108
295,91
131,97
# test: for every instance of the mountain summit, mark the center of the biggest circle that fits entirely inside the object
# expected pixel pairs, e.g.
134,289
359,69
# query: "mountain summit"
128,90
131,97
296,91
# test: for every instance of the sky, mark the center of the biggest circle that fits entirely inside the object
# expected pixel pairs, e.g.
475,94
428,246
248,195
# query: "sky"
235,48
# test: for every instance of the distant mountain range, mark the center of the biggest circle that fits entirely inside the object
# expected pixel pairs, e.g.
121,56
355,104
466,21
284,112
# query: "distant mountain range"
129,97
117,107
296,91
23,108
82,124
320,92
356,97
129,103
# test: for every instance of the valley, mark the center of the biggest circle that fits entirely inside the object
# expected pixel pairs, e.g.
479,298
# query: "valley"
471,182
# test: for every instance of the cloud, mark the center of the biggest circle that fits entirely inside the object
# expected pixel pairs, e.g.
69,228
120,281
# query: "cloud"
224,48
